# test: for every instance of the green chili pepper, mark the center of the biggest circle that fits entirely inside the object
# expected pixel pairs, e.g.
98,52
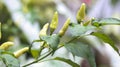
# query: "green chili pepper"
81,13
6,45
43,31
54,23
20,52
64,28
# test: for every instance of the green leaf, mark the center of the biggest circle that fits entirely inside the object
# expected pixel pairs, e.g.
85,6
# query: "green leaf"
77,29
35,53
110,21
1,50
106,39
81,50
10,61
106,21
68,61
52,40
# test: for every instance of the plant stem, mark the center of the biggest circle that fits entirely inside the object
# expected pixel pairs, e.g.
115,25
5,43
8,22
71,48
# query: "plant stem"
37,60
42,47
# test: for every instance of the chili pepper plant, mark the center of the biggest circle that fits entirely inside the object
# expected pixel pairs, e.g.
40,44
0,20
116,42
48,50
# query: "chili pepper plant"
52,41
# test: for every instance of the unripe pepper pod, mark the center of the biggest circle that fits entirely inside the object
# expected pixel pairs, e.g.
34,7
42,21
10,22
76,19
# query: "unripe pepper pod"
6,45
64,28
43,31
81,13
54,23
20,52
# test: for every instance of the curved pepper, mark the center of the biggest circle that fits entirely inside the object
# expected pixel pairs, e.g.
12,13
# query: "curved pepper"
6,45
20,52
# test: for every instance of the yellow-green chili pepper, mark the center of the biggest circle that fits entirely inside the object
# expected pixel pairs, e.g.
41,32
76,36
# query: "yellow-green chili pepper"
43,31
6,45
20,52
54,23
81,13
64,28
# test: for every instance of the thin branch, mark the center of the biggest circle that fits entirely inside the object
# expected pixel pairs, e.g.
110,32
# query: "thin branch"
37,60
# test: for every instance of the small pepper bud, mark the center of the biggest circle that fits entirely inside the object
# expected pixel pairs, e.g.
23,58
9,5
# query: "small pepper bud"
81,13
64,28
43,31
6,45
20,52
54,23
87,23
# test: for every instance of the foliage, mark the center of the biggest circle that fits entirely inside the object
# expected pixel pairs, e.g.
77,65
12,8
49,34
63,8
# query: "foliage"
9,59
53,41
